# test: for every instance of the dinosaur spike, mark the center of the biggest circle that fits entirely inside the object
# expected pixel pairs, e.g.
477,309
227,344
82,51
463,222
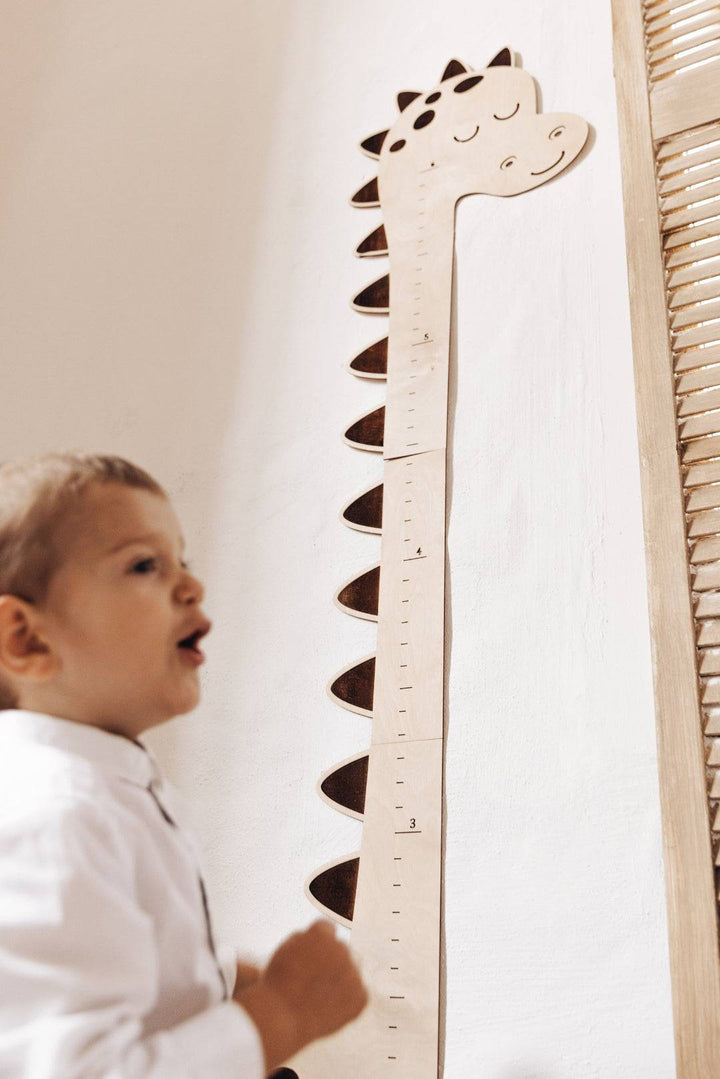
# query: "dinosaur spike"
354,687
406,97
375,298
374,244
360,596
368,432
455,67
505,58
367,195
372,145
344,786
365,512
372,361
334,887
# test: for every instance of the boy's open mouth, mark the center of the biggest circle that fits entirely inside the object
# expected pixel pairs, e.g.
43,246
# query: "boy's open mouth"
191,640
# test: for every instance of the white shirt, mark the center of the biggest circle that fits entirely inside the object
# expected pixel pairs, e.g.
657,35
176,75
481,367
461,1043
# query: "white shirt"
107,963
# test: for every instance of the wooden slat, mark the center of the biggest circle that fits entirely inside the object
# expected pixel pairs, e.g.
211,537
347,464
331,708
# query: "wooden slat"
703,498
675,14
678,218
684,47
690,196
699,402
656,8
701,449
693,253
698,379
695,293
695,314
708,605
678,31
709,635
703,230
705,550
686,141
706,579
693,174
707,333
685,60
686,100
701,474
710,661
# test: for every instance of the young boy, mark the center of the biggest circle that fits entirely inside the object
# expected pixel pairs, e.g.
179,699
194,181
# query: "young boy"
107,961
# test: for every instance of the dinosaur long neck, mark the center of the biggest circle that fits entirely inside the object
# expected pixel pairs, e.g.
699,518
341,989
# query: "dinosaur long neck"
396,923
420,232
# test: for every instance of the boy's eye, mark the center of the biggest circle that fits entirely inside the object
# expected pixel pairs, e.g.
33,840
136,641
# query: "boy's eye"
144,562
152,561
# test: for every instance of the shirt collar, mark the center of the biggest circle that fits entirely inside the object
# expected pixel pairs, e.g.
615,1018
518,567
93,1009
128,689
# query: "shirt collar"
112,753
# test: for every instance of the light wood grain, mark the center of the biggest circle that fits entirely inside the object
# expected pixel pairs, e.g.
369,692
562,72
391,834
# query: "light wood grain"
646,115
427,162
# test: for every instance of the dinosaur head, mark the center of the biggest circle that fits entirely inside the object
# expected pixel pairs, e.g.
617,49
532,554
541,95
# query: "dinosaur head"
476,132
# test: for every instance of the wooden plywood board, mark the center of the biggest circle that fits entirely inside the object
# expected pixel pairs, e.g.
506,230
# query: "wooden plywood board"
475,132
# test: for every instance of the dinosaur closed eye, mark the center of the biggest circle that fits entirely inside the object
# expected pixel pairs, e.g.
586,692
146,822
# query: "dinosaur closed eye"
510,116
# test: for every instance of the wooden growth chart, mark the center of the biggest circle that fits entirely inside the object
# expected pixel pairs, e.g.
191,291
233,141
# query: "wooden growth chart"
475,132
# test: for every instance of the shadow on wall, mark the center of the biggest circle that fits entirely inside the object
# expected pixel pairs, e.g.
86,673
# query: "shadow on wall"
136,140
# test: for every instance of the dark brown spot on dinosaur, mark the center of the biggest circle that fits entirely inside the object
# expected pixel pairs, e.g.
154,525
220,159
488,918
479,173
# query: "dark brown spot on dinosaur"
467,84
369,431
374,244
335,888
424,119
362,594
453,68
375,298
346,785
503,59
433,98
373,143
397,146
356,686
406,97
372,360
366,511
368,195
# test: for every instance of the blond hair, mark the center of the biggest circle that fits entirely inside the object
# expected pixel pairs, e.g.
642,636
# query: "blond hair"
36,496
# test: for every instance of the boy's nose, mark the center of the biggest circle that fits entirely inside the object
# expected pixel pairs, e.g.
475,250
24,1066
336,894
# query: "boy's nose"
191,585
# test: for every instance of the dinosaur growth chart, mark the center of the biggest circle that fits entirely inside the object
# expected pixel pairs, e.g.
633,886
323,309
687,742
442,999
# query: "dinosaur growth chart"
475,132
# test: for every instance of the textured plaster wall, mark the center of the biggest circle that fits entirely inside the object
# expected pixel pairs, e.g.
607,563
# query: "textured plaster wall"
175,271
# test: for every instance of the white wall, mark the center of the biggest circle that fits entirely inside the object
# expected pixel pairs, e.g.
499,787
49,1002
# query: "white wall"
175,270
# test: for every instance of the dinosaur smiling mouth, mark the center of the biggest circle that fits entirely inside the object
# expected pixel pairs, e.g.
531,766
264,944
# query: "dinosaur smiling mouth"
471,137
562,155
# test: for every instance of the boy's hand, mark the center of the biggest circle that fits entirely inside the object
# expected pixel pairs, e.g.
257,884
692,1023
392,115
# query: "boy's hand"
310,988
247,974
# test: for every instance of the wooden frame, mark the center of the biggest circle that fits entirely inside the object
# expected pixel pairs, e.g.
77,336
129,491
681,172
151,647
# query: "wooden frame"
670,142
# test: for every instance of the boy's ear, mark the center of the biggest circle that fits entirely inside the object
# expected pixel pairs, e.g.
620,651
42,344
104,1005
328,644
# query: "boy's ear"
23,652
